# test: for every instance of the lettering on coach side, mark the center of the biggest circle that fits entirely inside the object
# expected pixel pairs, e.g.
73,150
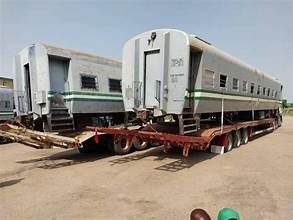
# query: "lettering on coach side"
177,62
174,77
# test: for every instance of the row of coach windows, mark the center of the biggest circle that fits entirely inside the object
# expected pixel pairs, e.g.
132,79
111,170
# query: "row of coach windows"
4,104
208,81
91,82
115,85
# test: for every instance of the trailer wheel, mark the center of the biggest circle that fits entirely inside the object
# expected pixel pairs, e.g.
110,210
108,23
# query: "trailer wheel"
139,144
279,121
229,144
110,144
153,144
244,136
237,139
121,146
275,124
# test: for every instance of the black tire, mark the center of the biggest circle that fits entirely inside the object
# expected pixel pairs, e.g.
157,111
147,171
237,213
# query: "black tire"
153,144
139,144
228,146
122,147
279,121
236,139
110,145
275,126
244,136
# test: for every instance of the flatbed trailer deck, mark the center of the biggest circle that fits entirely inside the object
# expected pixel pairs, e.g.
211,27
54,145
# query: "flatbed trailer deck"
221,137
216,138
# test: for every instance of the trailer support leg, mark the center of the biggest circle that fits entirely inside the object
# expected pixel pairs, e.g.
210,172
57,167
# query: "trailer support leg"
186,148
167,147
125,119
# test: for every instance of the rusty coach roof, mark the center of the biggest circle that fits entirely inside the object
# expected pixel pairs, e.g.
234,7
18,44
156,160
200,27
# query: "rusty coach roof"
69,53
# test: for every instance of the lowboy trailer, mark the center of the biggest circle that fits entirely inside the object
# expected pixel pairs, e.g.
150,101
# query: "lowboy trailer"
218,139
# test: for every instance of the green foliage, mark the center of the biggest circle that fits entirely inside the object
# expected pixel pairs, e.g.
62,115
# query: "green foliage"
288,111
284,103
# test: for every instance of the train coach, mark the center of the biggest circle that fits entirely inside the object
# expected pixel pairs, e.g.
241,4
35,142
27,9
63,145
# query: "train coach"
6,104
169,75
61,90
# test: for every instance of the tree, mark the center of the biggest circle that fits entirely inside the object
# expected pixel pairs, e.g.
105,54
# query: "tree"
284,103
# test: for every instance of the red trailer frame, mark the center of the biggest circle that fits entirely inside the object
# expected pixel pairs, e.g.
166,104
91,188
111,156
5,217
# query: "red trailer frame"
202,141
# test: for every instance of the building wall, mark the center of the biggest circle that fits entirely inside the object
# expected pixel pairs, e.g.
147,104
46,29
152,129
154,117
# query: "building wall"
6,82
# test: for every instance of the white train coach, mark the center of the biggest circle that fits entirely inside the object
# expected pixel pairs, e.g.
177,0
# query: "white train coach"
170,72
65,89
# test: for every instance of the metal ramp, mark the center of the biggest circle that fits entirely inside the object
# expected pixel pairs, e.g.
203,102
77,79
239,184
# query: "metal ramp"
37,139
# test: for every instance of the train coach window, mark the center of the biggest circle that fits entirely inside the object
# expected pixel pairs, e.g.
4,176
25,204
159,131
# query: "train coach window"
115,85
258,90
244,86
252,88
223,81
89,82
208,78
264,91
268,94
5,104
235,85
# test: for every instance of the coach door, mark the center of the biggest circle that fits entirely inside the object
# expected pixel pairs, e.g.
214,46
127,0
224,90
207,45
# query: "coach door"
153,80
28,90
195,58
58,69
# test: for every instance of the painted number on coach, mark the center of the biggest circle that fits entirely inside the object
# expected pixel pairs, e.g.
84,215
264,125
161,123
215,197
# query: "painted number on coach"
177,62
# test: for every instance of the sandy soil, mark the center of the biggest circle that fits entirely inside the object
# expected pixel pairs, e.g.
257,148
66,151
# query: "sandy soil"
255,179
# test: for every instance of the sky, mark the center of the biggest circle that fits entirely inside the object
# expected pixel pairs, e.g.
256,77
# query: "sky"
259,33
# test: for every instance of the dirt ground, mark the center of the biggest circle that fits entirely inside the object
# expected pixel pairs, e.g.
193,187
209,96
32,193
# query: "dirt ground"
255,179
